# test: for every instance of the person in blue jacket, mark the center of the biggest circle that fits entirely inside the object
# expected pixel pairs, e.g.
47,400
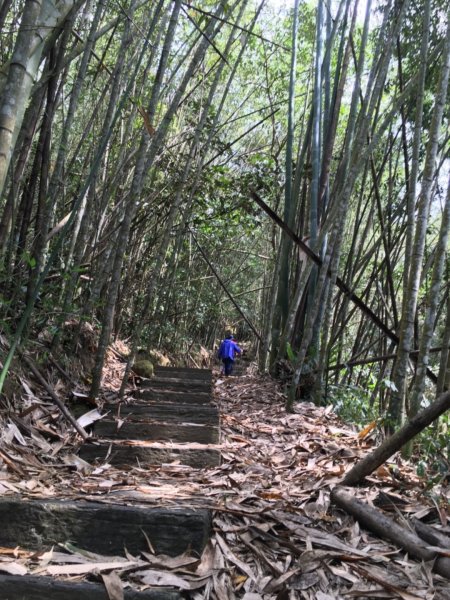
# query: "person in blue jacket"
227,352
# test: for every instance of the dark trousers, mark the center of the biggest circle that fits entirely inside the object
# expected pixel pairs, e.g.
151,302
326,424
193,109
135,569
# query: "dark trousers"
227,366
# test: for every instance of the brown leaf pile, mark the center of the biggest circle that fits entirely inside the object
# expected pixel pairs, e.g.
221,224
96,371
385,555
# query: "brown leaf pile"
275,534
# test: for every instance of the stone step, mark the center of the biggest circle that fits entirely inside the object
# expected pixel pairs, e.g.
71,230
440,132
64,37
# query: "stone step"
179,380
167,412
186,372
32,587
165,383
102,528
123,455
172,396
202,434
173,409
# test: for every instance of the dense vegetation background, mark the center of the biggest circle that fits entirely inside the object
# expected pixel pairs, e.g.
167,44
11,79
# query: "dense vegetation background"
140,143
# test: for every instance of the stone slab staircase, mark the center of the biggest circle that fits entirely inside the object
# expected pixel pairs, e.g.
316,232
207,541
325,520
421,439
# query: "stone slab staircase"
171,418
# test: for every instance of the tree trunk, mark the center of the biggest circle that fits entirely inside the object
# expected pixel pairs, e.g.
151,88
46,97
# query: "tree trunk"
15,86
397,400
432,308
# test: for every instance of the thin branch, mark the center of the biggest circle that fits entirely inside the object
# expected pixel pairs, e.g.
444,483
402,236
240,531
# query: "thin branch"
236,305
211,43
66,413
374,359
260,37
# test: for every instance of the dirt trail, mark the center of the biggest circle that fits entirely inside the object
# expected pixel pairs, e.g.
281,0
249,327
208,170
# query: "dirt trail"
275,534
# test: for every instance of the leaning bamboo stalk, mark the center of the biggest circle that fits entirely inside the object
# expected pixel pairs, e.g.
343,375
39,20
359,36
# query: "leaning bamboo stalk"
397,401
76,205
136,185
17,76
282,299
394,443
443,383
164,244
432,308
373,359
340,284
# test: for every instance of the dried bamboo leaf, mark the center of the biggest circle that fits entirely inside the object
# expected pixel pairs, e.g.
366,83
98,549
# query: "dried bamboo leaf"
81,569
113,585
13,568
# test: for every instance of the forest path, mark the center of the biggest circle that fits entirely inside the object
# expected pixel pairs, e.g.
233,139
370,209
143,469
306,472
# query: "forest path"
275,533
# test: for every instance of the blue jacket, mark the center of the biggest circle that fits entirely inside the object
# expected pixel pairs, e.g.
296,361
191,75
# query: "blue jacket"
228,349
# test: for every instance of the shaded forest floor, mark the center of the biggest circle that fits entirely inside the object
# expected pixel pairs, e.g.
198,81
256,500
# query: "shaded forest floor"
275,534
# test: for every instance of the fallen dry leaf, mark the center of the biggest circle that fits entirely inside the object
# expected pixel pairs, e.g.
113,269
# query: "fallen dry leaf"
275,534
13,568
113,585
81,569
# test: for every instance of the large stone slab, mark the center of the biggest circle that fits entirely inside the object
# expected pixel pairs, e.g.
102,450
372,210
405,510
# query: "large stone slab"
123,455
29,587
102,528
202,434
166,412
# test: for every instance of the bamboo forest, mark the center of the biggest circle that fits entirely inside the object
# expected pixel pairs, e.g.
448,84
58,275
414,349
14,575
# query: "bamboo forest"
224,299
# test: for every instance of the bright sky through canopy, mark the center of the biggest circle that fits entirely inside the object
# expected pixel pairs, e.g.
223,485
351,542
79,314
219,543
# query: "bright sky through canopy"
287,4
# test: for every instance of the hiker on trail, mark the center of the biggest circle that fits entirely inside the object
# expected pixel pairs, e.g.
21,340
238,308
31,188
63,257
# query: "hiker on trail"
227,352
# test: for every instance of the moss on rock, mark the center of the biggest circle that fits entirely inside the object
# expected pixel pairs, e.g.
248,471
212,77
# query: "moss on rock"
143,368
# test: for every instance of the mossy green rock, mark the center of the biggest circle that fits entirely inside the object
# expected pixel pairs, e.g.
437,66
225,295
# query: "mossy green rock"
143,368
154,356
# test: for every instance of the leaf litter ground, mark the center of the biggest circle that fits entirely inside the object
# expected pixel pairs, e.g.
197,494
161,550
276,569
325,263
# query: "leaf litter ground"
275,534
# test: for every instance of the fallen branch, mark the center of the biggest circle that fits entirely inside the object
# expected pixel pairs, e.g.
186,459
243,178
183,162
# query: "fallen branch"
62,371
385,527
64,410
431,535
394,443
